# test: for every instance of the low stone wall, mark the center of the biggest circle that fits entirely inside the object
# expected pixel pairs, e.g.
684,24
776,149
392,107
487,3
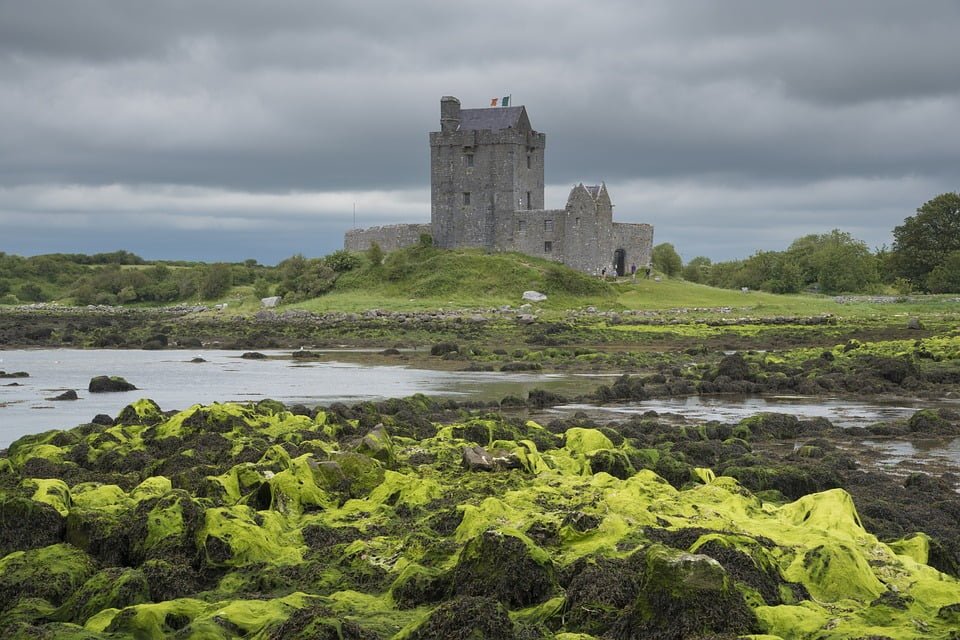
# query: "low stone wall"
389,237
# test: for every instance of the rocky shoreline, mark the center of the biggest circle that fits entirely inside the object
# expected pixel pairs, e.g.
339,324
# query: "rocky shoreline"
419,518
423,519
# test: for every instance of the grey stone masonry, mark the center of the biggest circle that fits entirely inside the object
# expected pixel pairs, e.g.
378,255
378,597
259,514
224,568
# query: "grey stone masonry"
389,237
486,191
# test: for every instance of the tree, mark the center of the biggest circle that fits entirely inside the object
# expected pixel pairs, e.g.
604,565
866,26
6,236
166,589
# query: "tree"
924,241
841,263
697,270
666,260
217,280
945,277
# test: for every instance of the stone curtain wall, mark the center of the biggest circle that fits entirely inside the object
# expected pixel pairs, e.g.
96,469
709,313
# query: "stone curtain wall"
389,237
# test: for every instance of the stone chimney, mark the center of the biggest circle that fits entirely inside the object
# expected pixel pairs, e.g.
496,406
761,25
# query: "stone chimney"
449,114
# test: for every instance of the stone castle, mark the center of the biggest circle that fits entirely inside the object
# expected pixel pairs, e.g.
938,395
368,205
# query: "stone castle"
486,186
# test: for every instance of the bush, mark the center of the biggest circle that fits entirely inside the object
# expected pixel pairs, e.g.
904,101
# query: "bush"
342,261
374,255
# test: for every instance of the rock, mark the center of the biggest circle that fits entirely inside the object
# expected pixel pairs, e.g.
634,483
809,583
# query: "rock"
378,445
113,587
684,595
734,367
197,360
15,374
914,323
109,384
270,303
470,617
443,348
505,567
28,524
69,394
477,459
526,318
253,355
534,296
102,419
52,573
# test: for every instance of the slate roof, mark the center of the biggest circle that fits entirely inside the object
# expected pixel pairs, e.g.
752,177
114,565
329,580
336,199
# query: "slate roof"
492,119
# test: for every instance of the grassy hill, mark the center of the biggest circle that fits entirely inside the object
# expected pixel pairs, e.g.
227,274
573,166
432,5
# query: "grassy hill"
429,278
422,278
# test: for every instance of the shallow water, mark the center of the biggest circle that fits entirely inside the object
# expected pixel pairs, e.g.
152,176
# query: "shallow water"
842,412
170,379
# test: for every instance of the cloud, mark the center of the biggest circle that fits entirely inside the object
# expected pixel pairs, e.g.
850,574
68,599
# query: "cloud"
180,116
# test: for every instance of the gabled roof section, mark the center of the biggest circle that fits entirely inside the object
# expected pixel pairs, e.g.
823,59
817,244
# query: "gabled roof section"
599,192
494,119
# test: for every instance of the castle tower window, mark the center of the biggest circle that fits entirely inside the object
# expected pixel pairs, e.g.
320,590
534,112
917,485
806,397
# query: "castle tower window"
529,205
547,246
548,226
521,225
466,198
469,159
529,161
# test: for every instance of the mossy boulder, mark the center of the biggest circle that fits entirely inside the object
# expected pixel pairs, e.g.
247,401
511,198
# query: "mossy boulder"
466,618
318,622
113,587
52,573
378,445
109,384
351,474
102,534
931,422
683,596
239,536
506,567
142,412
28,524
598,591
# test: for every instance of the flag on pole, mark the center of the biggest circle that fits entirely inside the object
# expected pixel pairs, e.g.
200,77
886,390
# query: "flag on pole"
503,102
493,102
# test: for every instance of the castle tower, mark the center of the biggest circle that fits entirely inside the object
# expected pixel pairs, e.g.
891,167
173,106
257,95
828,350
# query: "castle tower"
484,165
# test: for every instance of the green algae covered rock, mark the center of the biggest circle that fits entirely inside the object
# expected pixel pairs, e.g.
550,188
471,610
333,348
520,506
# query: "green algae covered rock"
468,618
505,567
110,588
53,573
238,520
683,595
28,524
378,445
319,622
109,384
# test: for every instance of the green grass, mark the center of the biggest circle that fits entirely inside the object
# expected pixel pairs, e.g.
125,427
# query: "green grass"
424,278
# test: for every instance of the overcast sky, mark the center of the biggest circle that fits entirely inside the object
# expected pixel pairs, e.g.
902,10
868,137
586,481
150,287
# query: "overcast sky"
232,129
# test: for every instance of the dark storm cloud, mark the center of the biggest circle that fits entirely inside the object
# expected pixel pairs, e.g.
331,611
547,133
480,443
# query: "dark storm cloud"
176,117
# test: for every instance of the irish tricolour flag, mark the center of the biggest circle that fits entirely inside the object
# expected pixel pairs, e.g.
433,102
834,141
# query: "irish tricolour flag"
504,101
